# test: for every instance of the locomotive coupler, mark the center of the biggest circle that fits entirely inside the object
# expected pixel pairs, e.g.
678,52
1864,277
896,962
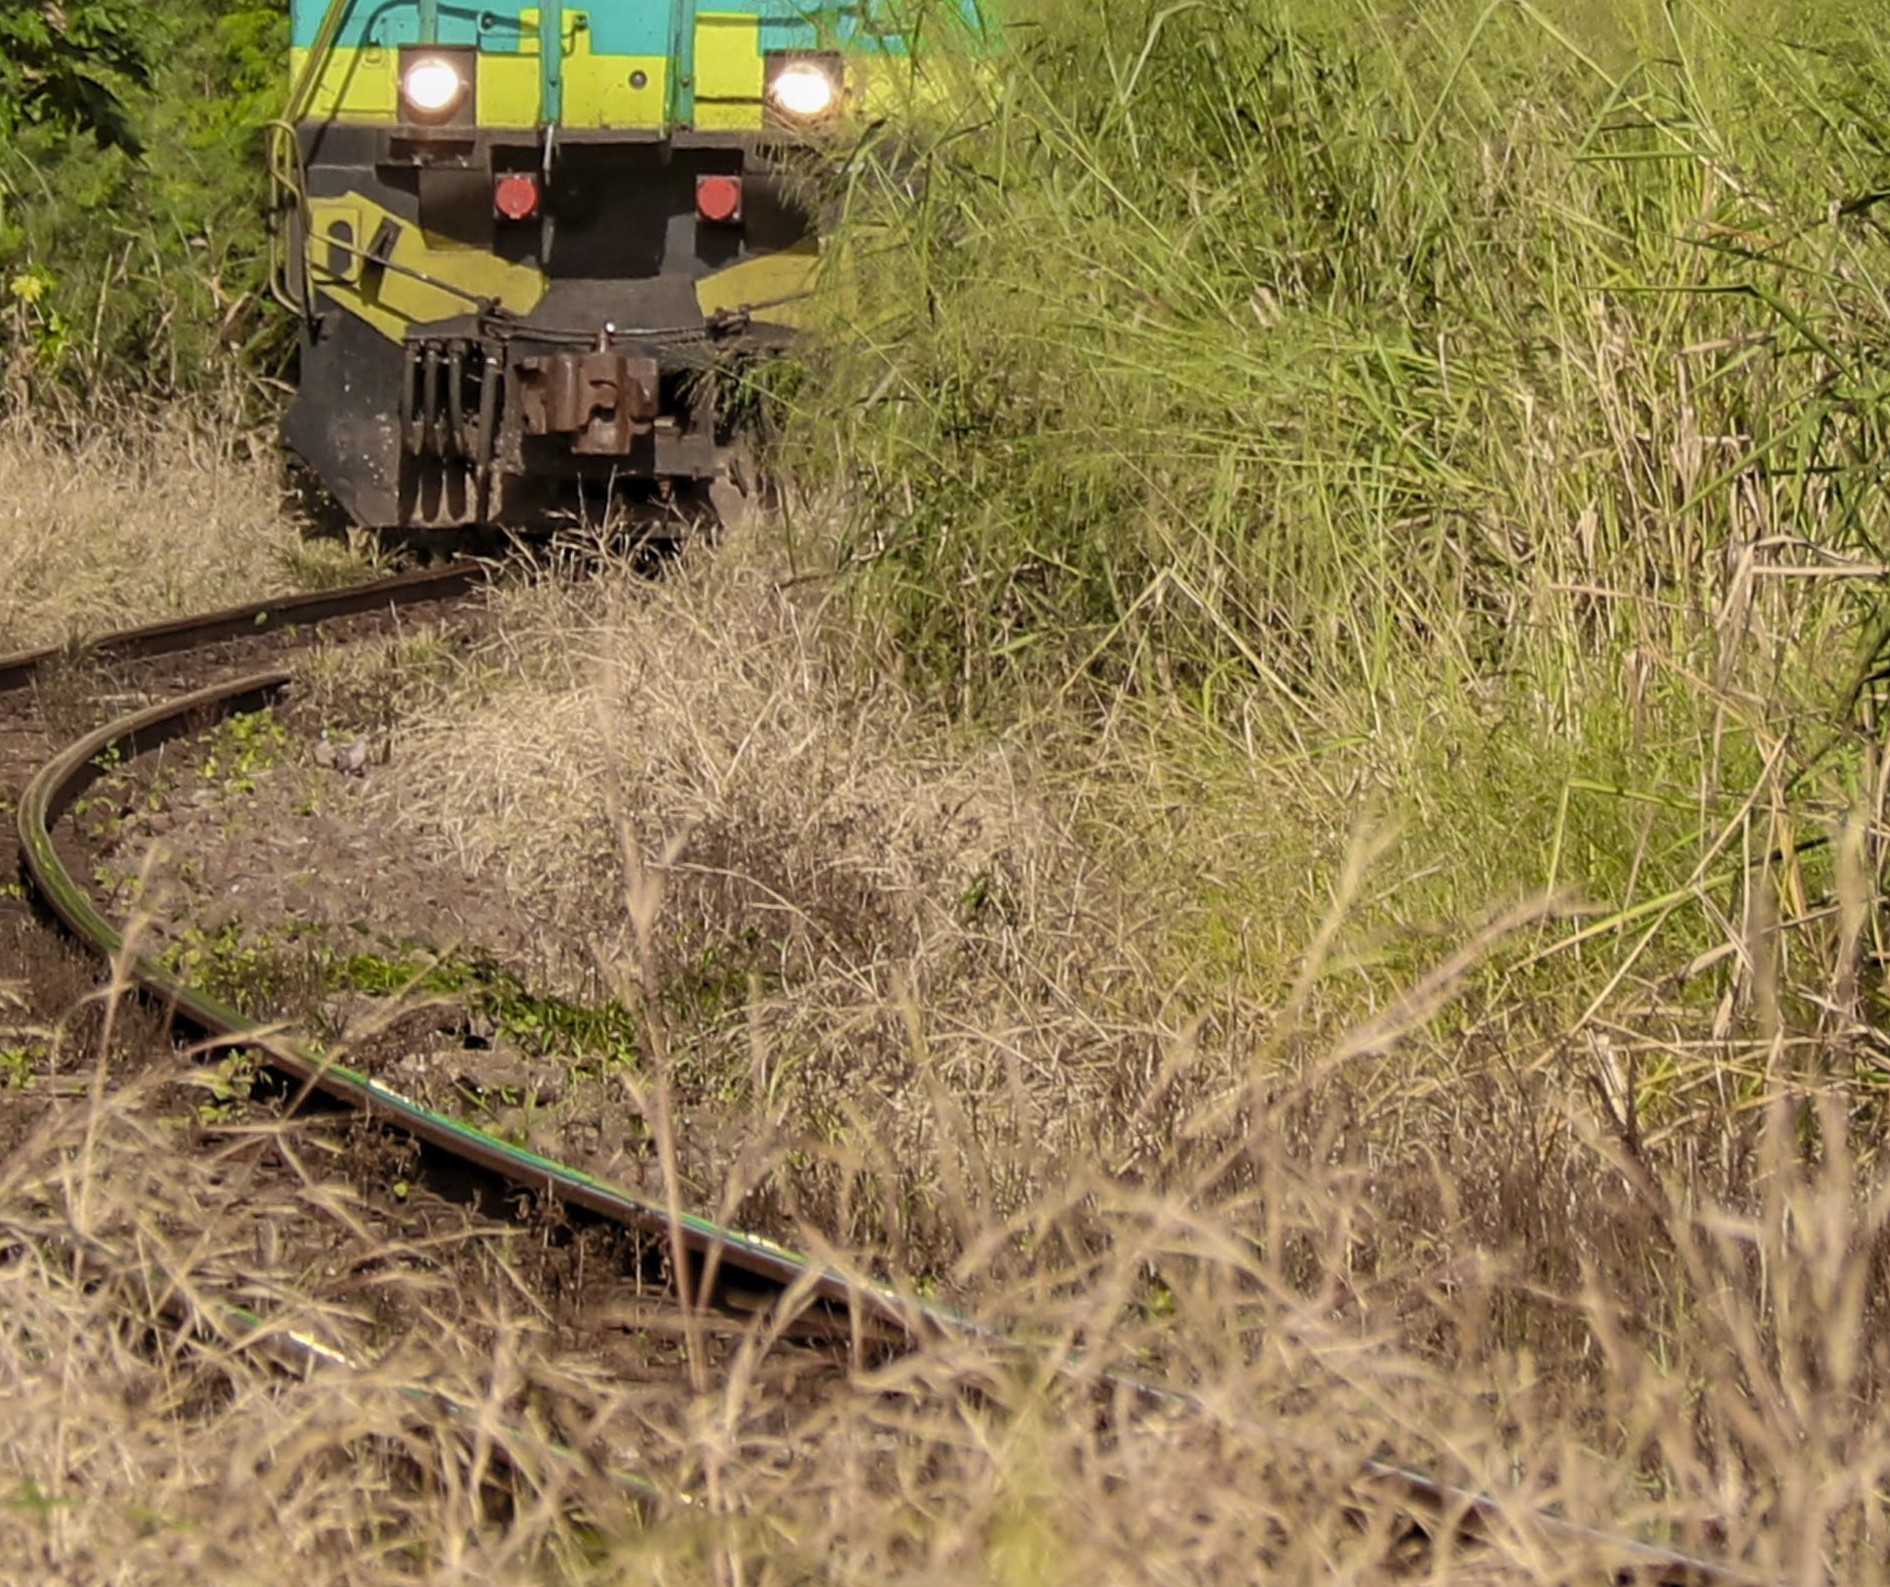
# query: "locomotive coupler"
603,399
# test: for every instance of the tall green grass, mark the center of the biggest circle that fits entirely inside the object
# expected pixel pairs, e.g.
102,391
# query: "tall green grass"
1310,340
1487,395
1443,431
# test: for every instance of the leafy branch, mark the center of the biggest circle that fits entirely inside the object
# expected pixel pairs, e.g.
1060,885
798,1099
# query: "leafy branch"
70,66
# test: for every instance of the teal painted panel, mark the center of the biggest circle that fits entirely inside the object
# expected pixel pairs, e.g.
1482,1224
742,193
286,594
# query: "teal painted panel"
618,27
630,27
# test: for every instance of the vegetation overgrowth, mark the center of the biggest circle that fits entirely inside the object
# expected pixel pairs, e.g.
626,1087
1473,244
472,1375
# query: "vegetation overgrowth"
1440,432
1436,450
133,235
1306,813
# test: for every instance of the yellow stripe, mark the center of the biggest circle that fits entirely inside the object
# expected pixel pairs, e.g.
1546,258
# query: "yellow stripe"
728,71
508,89
598,91
764,280
392,299
355,84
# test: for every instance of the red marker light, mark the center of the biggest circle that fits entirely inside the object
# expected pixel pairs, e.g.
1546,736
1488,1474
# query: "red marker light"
719,198
515,195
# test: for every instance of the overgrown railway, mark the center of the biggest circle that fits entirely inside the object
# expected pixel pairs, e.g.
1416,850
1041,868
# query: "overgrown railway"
238,657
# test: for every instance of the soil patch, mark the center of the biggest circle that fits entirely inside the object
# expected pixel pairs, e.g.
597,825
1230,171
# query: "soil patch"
258,863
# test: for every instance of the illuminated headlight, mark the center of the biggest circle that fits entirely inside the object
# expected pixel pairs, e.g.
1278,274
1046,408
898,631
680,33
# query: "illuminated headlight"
432,87
804,87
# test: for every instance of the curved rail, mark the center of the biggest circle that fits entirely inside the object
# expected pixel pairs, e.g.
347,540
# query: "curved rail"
51,793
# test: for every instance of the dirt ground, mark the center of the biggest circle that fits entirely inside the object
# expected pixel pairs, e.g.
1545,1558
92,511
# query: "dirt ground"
259,860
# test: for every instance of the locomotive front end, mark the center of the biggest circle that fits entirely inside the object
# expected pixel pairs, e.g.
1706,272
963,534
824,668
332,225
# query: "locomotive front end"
522,240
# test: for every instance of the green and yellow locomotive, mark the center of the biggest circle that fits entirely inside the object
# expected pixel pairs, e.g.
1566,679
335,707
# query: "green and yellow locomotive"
521,237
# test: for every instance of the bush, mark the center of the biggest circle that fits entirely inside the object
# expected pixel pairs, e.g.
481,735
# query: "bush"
137,260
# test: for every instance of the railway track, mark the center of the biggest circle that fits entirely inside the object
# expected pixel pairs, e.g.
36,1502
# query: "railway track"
707,1249
708,1263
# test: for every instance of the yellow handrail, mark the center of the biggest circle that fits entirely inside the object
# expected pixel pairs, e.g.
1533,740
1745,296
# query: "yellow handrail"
287,181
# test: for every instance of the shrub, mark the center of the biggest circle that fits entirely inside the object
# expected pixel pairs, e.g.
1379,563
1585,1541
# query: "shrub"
145,247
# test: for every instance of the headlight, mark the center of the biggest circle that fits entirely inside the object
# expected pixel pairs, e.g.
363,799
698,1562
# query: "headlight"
804,87
432,86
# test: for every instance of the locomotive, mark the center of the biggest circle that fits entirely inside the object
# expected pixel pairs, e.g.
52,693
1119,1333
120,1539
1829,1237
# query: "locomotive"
524,240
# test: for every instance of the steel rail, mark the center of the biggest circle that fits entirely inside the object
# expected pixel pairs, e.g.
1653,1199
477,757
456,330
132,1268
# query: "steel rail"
254,617
53,790
64,778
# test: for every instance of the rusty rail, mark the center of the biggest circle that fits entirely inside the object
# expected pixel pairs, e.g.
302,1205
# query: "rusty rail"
236,622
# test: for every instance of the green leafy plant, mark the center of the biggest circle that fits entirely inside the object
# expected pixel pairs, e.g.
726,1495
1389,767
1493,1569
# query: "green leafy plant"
71,67
242,748
38,325
144,244
16,1066
228,1083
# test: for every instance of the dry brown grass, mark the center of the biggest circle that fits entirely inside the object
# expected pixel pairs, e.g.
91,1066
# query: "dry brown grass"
1378,1191
836,878
1132,1031
914,1021
922,1008
153,1437
150,518
1298,1251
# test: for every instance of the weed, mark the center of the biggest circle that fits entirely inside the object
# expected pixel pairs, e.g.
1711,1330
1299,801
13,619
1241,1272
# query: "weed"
262,971
229,1084
539,1025
242,747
